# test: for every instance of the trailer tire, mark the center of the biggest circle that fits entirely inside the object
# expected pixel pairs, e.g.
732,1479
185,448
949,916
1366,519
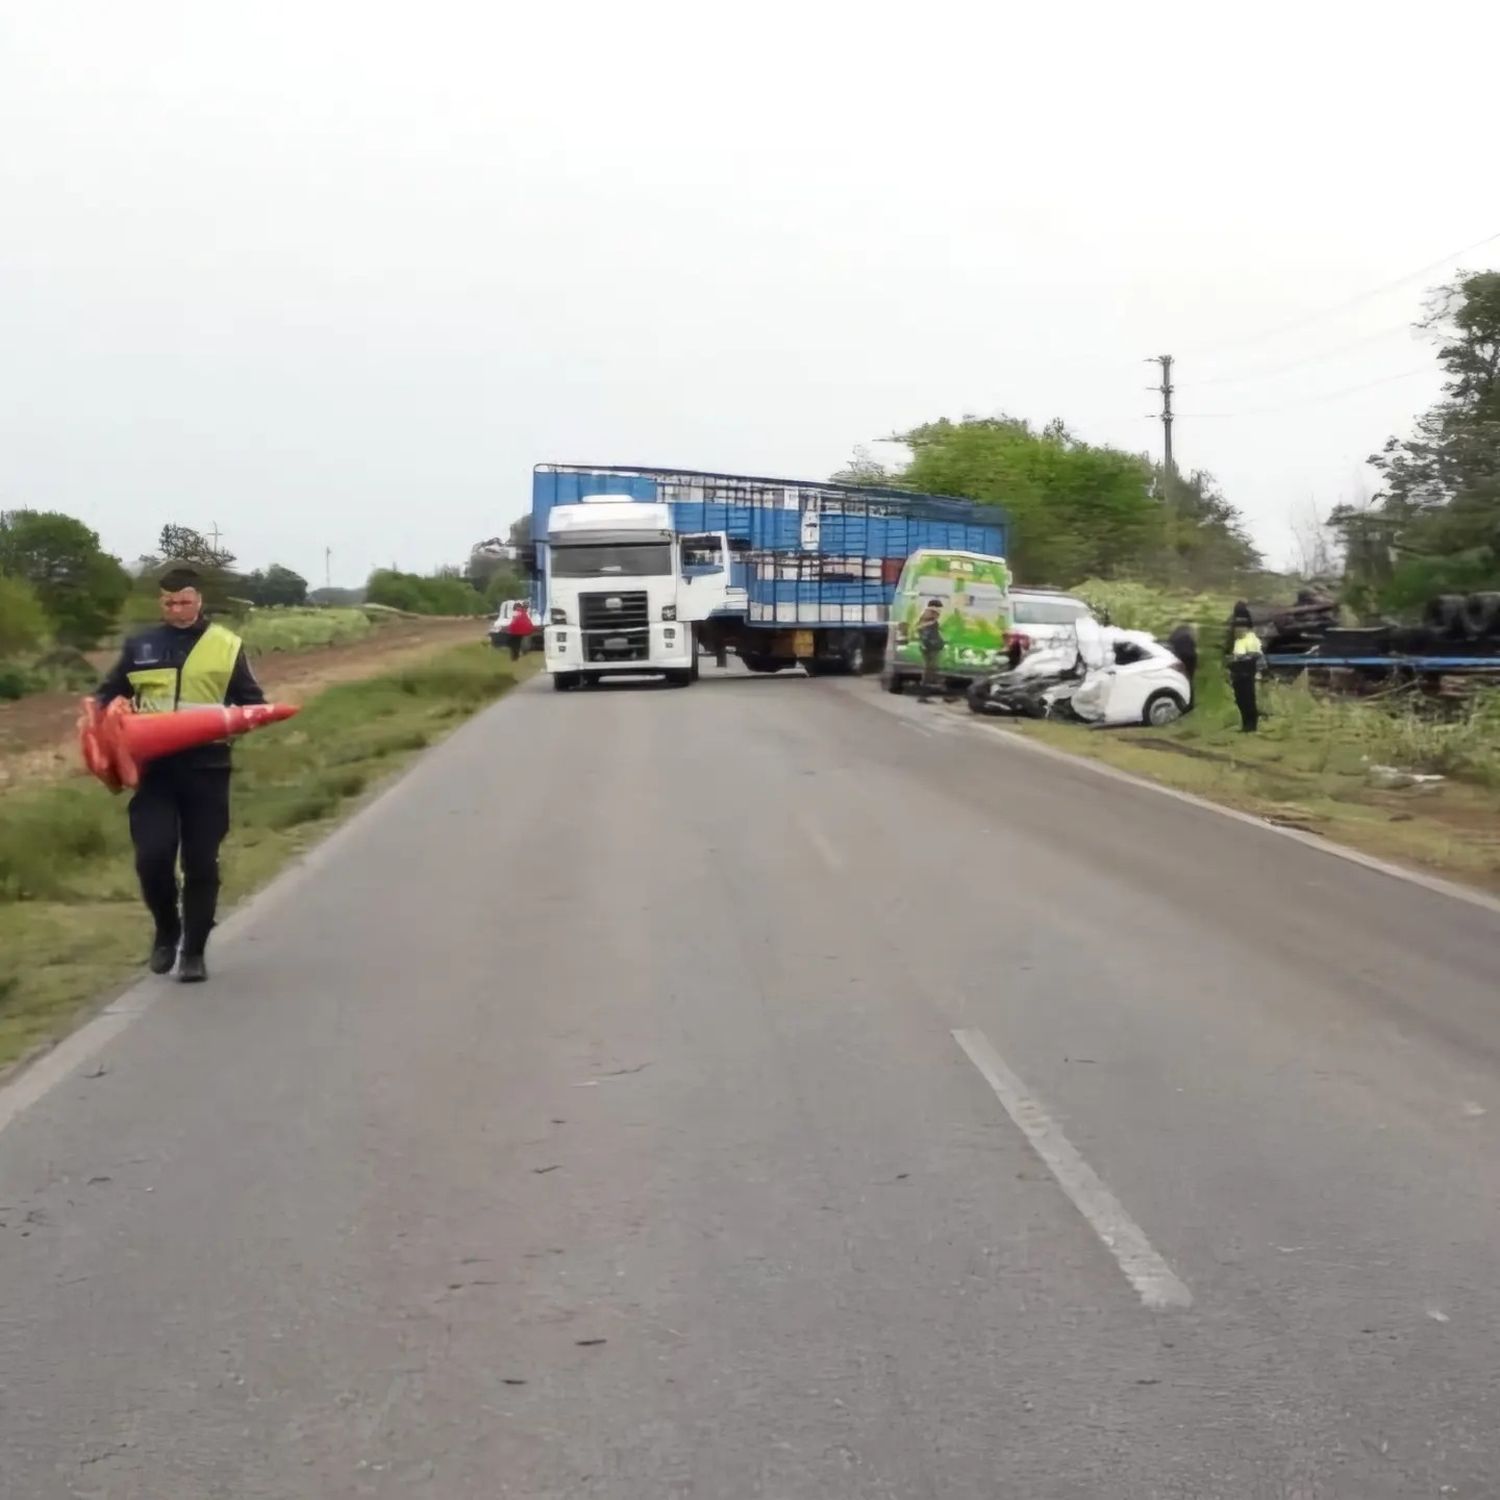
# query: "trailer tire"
1163,708
1445,613
1482,615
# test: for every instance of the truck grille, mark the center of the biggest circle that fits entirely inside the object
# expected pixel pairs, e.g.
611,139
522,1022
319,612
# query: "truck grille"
616,626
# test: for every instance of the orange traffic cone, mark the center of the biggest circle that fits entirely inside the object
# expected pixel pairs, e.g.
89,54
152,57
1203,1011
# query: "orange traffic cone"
118,742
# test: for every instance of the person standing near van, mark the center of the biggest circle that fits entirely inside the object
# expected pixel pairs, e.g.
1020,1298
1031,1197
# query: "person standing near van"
930,641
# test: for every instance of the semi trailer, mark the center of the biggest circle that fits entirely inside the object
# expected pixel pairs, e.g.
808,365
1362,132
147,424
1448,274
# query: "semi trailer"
639,570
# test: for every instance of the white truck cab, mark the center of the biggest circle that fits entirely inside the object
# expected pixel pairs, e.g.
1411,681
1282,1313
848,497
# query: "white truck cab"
623,591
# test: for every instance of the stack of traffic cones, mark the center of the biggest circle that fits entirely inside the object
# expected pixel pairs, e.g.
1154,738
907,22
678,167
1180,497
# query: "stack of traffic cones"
116,741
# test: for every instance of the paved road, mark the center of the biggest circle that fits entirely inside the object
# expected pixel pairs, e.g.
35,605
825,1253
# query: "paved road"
595,1126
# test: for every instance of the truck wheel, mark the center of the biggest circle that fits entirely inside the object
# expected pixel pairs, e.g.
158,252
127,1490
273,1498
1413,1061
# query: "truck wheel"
1162,708
562,681
679,679
1482,615
591,679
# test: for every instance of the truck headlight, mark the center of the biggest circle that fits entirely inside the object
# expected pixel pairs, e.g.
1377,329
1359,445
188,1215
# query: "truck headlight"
669,611
559,617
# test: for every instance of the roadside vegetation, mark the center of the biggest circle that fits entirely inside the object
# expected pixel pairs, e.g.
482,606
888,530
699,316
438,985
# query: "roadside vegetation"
267,630
71,925
1322,764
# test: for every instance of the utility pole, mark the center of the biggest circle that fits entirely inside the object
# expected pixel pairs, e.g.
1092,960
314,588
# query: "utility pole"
328,567
1169,470
214,534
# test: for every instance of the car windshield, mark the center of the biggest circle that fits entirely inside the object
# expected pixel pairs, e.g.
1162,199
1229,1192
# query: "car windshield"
622,560
1047,611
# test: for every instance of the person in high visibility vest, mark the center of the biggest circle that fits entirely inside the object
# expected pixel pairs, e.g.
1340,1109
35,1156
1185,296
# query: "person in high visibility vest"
182,804
1246,660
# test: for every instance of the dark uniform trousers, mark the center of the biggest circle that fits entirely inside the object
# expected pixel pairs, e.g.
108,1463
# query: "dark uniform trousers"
180,809
1242,678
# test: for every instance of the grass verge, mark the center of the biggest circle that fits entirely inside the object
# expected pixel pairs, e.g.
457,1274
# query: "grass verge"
1309,767
71,925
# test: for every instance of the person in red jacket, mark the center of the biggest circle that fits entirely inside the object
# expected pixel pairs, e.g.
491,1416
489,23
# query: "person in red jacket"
520,630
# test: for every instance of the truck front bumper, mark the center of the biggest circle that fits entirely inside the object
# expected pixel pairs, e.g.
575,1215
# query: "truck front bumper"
671,649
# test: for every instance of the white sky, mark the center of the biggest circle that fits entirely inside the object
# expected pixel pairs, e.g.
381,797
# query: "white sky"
338,272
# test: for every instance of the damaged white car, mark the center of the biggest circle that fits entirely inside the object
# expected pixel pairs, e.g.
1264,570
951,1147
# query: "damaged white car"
1108,677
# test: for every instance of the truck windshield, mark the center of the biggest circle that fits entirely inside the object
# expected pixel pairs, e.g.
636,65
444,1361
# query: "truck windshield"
627,560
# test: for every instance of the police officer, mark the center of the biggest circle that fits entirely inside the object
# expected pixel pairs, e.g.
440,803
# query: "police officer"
1246,662
182,803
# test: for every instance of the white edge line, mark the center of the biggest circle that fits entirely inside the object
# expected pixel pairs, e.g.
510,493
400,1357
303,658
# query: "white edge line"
1331,847
1153,1279
31,1082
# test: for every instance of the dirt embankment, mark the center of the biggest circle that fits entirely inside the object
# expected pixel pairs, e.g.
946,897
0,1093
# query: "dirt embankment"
36,733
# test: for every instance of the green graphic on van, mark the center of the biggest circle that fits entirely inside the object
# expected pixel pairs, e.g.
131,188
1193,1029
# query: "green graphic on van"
974,593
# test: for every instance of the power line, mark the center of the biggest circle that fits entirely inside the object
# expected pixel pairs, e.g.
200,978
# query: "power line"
1312,359
1348,390
1302,322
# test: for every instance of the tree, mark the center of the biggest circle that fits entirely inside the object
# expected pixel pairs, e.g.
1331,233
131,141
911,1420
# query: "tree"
520,531
79,585
23,621
276,586
1435,524
864,468
183,544
1077,511
441,594
1205,544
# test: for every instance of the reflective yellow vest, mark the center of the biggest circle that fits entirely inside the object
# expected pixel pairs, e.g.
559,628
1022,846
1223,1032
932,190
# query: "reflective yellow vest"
201,682
1248,645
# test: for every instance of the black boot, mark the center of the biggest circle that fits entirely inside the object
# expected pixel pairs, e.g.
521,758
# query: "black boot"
163,953
191,969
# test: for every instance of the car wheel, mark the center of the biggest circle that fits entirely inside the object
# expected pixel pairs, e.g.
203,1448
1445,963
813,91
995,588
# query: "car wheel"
1163,708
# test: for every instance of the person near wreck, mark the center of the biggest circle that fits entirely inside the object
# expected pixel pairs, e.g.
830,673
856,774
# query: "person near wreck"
930,642
1246,662
1183,644
181,807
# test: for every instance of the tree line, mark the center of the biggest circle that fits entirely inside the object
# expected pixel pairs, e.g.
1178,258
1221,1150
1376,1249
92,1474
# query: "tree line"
1077,510
62,594
1433,527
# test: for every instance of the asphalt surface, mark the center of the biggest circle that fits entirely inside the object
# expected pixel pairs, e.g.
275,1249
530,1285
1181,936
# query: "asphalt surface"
587,1119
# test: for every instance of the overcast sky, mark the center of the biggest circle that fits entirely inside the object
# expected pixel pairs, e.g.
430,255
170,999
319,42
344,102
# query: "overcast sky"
338,272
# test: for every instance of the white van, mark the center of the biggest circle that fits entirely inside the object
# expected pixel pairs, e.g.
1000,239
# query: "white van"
1044,618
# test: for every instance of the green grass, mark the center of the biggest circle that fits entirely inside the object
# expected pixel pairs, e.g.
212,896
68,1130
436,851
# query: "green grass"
1310,766
267,630
71,925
